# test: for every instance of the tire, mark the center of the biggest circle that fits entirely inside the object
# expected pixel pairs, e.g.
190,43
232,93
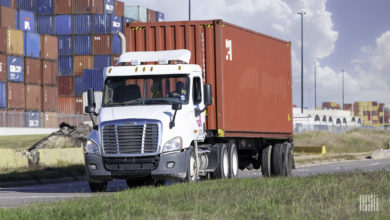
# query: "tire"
222,170
98,187
191,167
287,159
266,158
276,168
233,160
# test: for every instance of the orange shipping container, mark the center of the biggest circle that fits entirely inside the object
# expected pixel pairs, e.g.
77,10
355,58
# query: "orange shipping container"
63,6
49,119
16,96
33,97
79,105
119,8
65,86
50,99
33,70
67,105
102,44
15,42
49,50
82,62
49,72
246,70
7,17
3,67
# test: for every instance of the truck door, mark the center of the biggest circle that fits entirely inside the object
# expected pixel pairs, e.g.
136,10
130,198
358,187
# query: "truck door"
197,99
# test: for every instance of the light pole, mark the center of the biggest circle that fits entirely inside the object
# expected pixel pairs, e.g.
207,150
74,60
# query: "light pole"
315,85
342,82
189,10
301,13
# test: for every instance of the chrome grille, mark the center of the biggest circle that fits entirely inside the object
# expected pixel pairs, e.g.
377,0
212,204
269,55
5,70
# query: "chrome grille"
130,139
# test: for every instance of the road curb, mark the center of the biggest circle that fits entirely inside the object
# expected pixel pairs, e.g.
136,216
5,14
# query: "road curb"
42,181
321,150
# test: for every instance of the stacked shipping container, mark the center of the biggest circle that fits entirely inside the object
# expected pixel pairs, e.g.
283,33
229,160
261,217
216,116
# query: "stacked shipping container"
28,63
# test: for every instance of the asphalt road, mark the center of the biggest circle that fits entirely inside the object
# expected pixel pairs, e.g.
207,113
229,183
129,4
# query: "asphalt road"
24,195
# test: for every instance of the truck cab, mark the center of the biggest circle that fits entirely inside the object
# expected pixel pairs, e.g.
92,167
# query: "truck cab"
151,119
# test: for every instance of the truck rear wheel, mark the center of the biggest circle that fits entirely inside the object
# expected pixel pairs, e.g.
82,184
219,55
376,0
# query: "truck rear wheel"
276,168
233,160
222,170
266,155
98,187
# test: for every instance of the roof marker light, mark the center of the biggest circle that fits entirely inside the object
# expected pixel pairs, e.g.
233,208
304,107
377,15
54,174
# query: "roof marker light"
179,68
136,69
144,69
151,69
110,70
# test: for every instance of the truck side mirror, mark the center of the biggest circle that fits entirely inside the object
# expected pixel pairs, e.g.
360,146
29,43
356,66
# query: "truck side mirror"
90,108
208,95
176,106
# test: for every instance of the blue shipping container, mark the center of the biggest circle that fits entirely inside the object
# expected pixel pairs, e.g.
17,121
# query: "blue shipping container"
82,45
45,7
108,7
82,24
33,119
5,3
116,44
26,21
160,16
65,45
3,95
78,86
63,25
45,24
105,24
15,67
32,45
65,65
101,61
93,78
27,5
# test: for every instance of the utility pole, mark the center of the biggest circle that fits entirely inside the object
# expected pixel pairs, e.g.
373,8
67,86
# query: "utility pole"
301,13
189,10
342,81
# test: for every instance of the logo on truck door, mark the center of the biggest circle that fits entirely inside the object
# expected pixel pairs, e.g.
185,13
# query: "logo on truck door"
228,45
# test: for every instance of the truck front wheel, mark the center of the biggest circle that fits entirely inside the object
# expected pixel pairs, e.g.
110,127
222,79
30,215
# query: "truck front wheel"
98,187
191,167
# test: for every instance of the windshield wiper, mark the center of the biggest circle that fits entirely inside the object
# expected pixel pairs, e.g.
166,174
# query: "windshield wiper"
159,101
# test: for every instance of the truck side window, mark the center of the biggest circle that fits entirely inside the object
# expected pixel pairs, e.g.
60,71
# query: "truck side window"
197,92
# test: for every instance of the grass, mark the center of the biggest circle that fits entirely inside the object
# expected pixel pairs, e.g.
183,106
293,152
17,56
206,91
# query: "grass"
61,169
330,196
21,142
353,141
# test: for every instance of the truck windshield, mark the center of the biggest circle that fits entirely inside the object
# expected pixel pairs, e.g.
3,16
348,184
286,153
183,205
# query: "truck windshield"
146,90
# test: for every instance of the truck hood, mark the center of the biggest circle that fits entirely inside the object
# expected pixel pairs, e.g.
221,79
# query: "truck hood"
157,112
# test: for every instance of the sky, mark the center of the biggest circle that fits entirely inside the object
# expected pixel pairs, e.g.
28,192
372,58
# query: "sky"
349,35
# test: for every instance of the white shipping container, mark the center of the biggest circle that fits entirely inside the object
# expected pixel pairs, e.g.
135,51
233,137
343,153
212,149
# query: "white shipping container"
136,12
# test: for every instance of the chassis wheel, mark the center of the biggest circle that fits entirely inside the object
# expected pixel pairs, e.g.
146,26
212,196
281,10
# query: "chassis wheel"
287,159
191,167
98,187
222,170
233,160
276,168
266,158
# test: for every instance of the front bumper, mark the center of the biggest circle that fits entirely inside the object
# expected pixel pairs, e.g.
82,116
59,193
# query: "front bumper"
163,167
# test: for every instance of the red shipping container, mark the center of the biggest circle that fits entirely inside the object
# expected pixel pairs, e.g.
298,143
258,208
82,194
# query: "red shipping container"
7,17
63,7
49,120
102,44
49,47
16,96
152,16
3,40
49,72
79,105
246,70
15,118
3,67
65,86
119,8
33,71
82,62
87,6
67,105
50,98
34,97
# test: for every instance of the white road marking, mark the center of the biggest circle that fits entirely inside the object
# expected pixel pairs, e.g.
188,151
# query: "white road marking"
374,164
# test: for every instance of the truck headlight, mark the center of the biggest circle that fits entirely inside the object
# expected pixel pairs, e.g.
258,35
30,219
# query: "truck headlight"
91,147
173,144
